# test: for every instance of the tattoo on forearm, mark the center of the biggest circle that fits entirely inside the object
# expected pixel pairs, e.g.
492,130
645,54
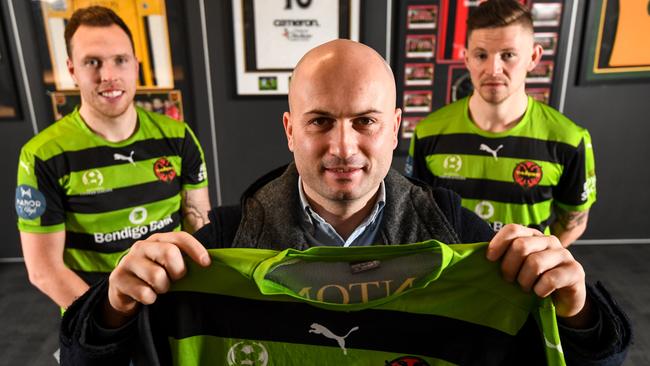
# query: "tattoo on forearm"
571,219
192,215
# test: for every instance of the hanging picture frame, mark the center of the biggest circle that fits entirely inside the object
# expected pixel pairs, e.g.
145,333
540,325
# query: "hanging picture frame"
270,37
616,47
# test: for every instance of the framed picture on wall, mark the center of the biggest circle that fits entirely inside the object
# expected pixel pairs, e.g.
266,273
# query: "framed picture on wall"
167,102
418,101
9,101
422,16
542,73
418,74
272,35
540,94
459,83
546,14
616,46
548,41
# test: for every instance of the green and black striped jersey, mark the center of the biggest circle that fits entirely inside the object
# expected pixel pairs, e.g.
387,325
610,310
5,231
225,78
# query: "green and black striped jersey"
430,303
515,176
106,195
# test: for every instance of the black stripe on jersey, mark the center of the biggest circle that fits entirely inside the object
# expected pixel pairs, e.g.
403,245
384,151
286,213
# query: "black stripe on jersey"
189,314
508,192
48,185
524,148
191,160
102,156
571,186
124,197
87,241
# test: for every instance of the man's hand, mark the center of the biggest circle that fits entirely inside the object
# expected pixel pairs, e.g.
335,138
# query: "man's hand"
148,270
540,263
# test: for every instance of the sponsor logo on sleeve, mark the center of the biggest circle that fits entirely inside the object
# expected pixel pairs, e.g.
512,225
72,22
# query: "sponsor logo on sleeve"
527,174
164,170
203,173
30,202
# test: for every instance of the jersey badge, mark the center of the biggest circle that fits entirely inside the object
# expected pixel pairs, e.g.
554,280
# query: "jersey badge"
527,174
164,170
247,353
407,361
30,202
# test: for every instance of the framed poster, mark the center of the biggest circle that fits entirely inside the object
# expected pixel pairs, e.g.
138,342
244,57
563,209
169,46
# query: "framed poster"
619,48
408,125
168,102
422,17
9,101
418,101
418,74
459,83
546,14
548,41
272,35
542,73
147,20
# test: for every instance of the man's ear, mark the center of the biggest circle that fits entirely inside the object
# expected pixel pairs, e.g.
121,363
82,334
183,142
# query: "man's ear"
536,57
70,66
398,121
288,129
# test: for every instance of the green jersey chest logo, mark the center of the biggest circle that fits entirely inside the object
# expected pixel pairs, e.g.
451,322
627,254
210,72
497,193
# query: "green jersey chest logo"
527,174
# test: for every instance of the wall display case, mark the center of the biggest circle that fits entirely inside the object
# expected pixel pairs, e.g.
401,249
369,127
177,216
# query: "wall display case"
154,24
616,47
270,36
9,102
430,60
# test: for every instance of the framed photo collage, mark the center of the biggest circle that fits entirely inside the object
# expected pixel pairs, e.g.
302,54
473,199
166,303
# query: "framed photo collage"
431,44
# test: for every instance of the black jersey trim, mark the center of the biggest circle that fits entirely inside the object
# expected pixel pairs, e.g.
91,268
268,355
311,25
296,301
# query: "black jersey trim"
516,147
189,314
121,198
103,156
507,192
74,240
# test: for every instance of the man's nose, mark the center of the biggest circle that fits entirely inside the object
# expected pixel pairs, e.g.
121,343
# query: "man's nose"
495,66
343,140
108,72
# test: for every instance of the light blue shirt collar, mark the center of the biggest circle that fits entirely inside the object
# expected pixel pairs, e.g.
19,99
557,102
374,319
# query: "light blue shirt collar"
363,235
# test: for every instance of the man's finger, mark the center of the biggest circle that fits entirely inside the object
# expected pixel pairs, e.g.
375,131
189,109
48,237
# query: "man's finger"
503,239
518,251
187,244
537,264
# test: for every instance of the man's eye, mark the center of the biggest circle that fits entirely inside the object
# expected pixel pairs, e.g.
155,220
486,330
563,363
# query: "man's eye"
320,121
92,63
120,60
481,56
508,55
364,121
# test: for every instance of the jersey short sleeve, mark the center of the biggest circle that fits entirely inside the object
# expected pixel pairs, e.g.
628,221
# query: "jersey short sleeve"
194,172
576,190
38,200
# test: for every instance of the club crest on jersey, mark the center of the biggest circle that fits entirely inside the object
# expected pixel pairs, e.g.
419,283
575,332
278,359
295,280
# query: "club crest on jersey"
527,174
164,170
407,361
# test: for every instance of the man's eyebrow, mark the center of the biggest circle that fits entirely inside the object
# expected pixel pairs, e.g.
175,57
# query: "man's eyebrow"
328,114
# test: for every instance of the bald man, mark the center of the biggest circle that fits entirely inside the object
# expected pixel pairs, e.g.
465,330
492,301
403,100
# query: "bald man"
342,126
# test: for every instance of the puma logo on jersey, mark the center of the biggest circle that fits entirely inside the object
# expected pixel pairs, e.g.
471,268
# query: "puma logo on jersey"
24,166
557,347
486,148
129,158
319,329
